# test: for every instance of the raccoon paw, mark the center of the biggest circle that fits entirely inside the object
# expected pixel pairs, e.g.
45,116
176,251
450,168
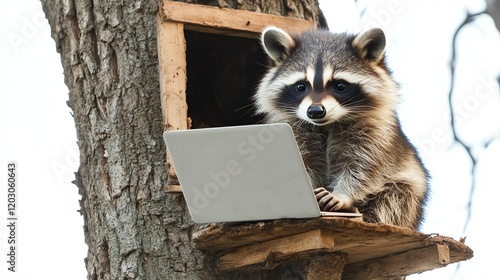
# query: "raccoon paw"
329,202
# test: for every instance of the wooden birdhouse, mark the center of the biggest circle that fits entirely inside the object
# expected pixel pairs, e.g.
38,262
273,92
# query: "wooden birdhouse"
210,62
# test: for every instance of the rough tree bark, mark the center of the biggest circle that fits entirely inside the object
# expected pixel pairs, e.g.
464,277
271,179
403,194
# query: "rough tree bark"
493,9
134,230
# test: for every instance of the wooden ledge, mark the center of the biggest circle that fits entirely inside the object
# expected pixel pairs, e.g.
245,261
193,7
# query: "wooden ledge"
372,250
311,241
228,21
173,189
222,236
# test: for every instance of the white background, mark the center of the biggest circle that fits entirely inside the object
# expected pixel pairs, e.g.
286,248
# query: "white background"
38,131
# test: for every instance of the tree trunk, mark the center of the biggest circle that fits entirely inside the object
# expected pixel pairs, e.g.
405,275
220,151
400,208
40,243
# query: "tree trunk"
134,230
493,9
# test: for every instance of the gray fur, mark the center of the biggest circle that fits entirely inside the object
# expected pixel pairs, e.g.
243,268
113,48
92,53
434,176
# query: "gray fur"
372,43
360,155
277,44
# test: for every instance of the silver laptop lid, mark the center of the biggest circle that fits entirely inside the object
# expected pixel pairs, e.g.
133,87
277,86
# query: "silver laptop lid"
242,173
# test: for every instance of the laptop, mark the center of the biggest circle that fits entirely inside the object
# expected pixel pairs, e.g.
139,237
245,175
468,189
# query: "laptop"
243,173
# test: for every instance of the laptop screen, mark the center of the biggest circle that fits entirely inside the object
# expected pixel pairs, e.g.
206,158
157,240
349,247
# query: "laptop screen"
241,173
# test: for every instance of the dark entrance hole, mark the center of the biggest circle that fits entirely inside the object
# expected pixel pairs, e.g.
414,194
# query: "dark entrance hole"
222,75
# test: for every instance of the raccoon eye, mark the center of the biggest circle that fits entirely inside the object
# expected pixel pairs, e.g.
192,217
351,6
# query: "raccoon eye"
300,87
340,86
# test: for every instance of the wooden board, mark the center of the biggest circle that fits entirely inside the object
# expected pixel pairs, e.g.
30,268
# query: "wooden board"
225,236
173,189
311,241
392,249
173,77
228,21
394,266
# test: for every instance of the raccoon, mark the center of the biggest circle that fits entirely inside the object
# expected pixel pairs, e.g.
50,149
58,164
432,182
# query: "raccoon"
338,95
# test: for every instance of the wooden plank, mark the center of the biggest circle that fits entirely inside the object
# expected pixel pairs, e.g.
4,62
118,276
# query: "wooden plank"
173,77
228,21
414,261
311,241
458,250
173,189
220,236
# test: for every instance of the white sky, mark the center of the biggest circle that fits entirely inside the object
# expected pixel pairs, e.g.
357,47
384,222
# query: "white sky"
38,131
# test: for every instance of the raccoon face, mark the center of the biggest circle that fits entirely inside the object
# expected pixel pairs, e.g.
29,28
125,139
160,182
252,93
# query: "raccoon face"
320,77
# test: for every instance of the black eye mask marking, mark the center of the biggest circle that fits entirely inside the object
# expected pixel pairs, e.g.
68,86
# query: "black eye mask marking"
347,94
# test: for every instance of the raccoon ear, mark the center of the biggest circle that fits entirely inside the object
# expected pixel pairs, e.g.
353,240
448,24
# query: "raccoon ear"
277,43
370,44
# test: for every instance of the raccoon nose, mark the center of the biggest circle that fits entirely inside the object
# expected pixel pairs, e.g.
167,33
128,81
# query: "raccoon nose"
316,111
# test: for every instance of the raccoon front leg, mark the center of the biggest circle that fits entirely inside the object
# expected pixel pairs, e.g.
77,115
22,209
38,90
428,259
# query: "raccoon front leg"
330,203
326,200
399,204
353,179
